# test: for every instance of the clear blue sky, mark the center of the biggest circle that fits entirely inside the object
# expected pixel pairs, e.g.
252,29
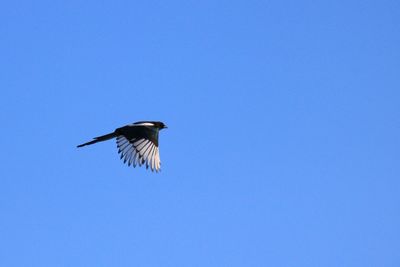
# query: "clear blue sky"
283,147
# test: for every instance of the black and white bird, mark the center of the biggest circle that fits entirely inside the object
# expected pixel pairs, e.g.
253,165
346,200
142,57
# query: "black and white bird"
137,143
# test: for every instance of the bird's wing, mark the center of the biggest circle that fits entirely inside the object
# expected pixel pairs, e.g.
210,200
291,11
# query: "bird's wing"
139,146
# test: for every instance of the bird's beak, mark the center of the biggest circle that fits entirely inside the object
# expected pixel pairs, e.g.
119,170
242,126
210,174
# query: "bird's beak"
165,127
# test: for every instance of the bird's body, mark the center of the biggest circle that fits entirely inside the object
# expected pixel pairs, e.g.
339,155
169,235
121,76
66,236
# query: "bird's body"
137,143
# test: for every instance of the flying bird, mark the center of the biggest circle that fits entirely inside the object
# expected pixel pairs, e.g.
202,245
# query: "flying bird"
137,143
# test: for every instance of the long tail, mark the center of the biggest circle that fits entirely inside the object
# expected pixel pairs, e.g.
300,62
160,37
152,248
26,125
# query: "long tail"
100,139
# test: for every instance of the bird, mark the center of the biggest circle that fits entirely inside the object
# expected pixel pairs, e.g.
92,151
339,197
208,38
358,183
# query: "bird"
137,143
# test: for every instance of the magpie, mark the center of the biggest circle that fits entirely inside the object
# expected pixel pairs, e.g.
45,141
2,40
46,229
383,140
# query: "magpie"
137,143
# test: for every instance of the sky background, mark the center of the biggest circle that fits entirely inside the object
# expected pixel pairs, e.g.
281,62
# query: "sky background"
283,146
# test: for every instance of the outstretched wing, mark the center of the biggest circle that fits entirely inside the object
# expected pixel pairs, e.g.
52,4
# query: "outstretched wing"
138,145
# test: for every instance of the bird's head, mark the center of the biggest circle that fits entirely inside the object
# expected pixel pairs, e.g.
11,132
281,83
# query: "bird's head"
160,125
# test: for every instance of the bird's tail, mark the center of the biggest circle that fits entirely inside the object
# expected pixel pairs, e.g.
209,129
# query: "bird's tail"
100,139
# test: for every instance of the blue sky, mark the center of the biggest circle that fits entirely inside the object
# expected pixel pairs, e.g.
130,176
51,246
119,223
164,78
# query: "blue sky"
283,140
